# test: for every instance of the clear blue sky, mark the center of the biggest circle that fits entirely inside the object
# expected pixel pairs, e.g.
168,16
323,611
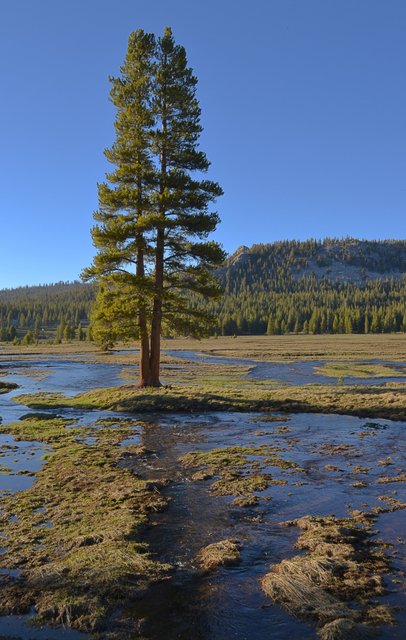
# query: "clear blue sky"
304,106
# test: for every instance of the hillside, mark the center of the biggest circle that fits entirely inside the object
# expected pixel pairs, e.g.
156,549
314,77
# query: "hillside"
44,309
314,286
333,286
347,260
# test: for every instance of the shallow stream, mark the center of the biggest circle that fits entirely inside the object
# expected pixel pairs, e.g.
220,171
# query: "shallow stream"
334,453
296,372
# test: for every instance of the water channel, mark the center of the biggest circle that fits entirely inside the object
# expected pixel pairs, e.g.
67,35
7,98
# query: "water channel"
227,604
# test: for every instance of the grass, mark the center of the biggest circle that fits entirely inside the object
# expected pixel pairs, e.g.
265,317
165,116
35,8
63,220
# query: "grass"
5,387
358,370
384,401
75,534
304,347
337,581
239,471
222,553
390,346
200,387
91,560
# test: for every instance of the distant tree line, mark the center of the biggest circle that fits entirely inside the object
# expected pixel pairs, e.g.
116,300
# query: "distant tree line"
316,286
373,308
57,312
328,286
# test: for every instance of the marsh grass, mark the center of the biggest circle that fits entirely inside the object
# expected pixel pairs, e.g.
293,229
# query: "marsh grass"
75,534
222,553
385,401
238,471
337,581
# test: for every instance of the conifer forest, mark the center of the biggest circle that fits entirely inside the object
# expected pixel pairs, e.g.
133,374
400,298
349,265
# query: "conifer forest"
317,287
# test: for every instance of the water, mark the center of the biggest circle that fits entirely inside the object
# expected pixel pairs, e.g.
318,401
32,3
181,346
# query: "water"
229,603
294,373
226,604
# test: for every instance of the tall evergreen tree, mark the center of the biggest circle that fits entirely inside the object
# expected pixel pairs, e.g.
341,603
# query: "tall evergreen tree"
183,257
122,235
153,214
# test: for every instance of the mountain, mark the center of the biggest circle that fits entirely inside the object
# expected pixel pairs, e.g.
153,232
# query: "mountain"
331,285
317,286
347,260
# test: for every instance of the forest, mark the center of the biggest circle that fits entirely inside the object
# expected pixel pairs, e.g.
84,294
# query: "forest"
315,286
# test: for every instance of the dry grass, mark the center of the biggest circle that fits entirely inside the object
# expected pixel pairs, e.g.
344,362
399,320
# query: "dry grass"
222,553
337,580
90,561
290,347
346,629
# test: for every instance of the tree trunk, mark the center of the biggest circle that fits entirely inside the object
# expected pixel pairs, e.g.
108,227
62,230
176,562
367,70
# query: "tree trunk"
155,356
156,324
145,368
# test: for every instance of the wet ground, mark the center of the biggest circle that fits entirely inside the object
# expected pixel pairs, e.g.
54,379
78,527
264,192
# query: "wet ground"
341,460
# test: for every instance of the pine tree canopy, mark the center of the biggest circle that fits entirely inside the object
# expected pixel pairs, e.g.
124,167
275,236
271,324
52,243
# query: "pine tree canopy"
153,220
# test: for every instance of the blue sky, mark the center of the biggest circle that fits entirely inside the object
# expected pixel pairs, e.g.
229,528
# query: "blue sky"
303,107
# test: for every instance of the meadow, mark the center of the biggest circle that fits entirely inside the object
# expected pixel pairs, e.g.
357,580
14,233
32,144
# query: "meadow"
142,513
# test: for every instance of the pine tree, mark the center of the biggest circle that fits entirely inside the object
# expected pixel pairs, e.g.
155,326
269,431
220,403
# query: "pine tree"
153,215
124,296
80,333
